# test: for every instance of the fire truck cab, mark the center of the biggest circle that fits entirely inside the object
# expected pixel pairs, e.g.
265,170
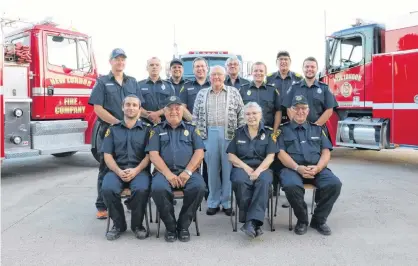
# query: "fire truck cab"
46,77
373,72
212,57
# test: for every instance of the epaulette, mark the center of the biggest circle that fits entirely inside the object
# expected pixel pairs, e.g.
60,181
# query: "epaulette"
284,124
145,123
190,123
268,127
246,84
297,75
270,74
322,83
312,123
241,127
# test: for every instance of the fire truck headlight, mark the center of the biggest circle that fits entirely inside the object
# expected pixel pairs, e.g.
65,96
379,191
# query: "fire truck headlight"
18,112
16,140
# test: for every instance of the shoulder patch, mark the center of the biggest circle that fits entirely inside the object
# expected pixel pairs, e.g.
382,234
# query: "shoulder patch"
323,132
146,124
270,74
107,133
275,135
151,133
197,131
298,75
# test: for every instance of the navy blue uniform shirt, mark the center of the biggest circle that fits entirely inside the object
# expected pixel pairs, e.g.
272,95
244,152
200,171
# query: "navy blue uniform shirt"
239,82
179,86
189,92
319,97
253,151
108,93
127,145
275,80
304,143
155,94
266,96
175,145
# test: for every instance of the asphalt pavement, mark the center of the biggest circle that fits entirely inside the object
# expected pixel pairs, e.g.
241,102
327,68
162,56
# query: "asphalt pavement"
48,218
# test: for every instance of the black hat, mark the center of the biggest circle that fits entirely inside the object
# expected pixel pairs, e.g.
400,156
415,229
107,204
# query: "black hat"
173,100
176,61
299,99
117,52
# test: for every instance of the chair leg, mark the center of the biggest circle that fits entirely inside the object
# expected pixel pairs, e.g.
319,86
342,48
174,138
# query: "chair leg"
157,215
277,201
150,210
147,223
108,221
271,213
197,225
313,201
290,219
158,227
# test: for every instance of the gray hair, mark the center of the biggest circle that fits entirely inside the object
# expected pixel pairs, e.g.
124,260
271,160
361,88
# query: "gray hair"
253,105
231,59
152,58
213,68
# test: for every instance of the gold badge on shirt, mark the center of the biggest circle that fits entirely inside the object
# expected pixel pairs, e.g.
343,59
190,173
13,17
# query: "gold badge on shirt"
186,132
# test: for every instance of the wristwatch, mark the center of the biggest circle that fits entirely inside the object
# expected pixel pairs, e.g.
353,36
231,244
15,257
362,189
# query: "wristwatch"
188,172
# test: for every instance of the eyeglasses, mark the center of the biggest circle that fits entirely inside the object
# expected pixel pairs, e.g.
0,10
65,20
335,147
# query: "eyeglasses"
300,108
252,113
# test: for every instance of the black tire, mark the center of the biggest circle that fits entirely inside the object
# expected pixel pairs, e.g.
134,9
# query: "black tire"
98,142
64,154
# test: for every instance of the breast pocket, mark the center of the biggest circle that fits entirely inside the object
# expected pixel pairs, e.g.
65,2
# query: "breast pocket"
292,145
120,142
314,144
186,146
162,97
149,100
318,100
112,94
191,97
242,149
248,98
261,147
266,102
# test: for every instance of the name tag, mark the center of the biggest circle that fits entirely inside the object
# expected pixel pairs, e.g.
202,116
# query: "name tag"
144,89
241,141
164,133
109,84
314,137
190,89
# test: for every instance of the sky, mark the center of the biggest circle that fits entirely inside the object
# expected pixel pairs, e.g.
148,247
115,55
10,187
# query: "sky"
257,30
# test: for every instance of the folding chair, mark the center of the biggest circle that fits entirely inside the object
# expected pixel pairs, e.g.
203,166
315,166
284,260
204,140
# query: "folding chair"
126,193
235,212
178,194
305,186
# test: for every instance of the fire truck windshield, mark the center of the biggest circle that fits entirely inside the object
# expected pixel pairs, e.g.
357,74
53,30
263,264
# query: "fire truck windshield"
212,61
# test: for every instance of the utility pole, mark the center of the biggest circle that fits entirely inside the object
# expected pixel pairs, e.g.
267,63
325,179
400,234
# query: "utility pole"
175,52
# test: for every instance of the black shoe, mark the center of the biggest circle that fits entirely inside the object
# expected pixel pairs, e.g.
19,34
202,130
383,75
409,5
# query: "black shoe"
174,202
286,205
248,229
170,236
321,228
228,211
258,231
301,228
140,233
114,233
212,211
183,235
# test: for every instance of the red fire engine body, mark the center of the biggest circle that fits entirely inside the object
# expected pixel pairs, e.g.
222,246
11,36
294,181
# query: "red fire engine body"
373,72
46,77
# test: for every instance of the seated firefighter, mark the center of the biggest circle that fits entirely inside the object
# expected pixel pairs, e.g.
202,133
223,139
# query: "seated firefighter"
125,156
251,152
176,150
305,151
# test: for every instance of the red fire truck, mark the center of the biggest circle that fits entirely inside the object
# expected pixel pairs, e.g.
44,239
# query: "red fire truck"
46,77
373,72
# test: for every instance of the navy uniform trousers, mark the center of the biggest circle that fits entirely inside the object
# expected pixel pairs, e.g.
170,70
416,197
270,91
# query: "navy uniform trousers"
100,205
162,194
329,188
252,196
112,187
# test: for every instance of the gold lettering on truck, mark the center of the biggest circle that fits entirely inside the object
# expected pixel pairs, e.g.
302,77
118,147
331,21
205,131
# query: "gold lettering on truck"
69,105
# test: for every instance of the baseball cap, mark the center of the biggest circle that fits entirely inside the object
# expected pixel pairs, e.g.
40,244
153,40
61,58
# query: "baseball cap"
173,100
299,99
117,52
176,61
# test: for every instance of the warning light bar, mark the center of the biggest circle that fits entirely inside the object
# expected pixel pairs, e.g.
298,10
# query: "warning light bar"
208,52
